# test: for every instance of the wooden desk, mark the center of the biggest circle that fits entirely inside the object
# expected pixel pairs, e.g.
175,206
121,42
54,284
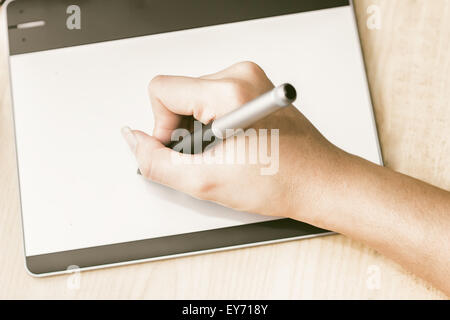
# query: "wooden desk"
408,63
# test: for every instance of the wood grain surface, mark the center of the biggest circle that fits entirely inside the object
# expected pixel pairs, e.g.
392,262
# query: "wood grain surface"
408,65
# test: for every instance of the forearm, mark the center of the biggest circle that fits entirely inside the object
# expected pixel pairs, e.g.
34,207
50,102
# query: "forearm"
401,217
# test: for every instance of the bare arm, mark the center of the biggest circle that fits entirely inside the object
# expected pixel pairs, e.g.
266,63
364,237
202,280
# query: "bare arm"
399,216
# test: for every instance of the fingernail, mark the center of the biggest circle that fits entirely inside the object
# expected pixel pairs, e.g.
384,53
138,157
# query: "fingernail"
130,138
211,116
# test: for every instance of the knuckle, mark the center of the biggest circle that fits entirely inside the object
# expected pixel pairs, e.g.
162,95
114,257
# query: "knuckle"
250,68
155,82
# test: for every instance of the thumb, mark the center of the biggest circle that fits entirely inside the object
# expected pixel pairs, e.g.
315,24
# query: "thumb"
156,163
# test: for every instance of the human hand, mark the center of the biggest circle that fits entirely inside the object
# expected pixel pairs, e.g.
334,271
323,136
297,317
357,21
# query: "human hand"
307,164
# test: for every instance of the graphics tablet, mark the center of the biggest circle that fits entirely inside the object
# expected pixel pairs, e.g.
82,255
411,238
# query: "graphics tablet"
79,72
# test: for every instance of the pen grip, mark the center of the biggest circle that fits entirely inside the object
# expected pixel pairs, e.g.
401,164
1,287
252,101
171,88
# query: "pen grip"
195,142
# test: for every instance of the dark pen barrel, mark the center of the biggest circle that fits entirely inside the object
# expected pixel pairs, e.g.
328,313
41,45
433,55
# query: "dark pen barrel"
195,142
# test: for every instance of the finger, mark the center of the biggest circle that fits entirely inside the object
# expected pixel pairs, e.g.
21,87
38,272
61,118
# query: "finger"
156,163
174,96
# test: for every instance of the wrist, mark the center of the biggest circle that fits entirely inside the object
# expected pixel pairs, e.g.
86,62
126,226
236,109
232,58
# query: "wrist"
327,200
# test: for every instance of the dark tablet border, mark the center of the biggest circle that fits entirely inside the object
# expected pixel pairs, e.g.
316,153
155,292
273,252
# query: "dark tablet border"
162,247
105,20
194,242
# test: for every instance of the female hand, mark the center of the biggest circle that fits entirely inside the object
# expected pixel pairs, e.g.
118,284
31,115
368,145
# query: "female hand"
304,164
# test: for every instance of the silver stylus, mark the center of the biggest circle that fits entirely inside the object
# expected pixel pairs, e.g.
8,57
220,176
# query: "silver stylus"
240,118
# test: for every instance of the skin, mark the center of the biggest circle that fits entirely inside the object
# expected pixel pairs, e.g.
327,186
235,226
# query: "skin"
317,183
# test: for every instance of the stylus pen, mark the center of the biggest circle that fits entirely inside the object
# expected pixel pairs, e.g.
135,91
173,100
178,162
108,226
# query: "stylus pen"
240,118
